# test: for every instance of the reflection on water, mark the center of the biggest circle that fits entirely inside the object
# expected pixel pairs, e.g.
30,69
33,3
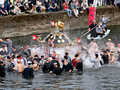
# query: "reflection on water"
104,78
92,79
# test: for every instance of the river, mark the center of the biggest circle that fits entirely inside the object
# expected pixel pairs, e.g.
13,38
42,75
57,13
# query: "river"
104,78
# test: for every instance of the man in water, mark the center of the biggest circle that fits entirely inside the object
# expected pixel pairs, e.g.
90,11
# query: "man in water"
67,66
19,66
74,61
79,65
8,43
118,56
4,50
112,57
36,65
93,27
93,48
36,57
96,61
69,58
28,72
57,70
105,57
55,61
42,61
2,69
110,45
45,67
10,64
103,21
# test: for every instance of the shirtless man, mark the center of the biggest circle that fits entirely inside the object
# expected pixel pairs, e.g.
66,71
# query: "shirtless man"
36,65
110,45
112,57
19,66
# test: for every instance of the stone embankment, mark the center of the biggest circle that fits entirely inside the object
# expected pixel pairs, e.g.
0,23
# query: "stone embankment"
21,25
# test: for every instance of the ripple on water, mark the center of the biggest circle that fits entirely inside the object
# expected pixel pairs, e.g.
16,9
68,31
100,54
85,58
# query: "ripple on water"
92,79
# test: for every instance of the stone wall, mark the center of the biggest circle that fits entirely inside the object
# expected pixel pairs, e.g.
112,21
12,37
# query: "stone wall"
11,26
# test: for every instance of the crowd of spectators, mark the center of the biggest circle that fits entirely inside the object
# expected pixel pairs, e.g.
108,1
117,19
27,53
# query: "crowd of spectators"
42,6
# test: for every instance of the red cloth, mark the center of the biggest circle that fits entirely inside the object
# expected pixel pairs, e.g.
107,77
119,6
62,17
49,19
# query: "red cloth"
65,6
91,15
74,62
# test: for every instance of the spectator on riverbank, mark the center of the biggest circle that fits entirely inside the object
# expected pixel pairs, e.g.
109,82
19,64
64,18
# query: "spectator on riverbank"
34,6
84,6
6,4
65,6
11,10
30,3
52,6
17,7
55,7
43,8
26,8
108,3
49,7
3,11
74,8
78,6
39,5
22,5
117,3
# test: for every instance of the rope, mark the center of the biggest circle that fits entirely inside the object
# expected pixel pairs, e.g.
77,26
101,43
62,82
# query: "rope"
97,25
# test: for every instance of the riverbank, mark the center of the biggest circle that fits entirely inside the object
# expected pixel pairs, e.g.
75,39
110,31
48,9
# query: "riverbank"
12,26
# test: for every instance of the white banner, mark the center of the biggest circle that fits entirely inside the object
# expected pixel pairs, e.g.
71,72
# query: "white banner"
1,1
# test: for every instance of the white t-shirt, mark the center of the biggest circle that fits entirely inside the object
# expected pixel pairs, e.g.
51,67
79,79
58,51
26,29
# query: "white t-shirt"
39,3
35,51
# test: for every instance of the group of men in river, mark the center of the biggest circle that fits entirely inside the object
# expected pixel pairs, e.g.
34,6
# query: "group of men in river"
27,60
98,29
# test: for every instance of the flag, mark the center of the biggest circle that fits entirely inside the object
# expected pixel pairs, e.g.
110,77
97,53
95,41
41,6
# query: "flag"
91,15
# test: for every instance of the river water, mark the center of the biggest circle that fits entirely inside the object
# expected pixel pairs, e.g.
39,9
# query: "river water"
104,78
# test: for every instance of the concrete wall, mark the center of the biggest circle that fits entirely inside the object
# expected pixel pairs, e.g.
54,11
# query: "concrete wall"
11,26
